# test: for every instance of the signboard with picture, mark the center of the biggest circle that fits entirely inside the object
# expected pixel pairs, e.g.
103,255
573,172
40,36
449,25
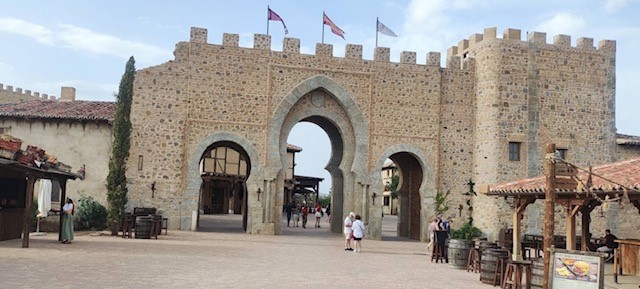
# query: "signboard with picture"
576,269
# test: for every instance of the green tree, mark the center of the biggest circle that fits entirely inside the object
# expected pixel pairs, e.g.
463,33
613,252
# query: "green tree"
442,205
117,180
325,200
393,186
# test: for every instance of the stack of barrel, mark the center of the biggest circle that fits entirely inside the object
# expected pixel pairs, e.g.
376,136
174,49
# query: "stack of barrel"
493,262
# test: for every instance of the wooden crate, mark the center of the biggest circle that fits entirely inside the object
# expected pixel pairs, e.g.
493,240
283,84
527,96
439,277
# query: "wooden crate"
10,145
6,154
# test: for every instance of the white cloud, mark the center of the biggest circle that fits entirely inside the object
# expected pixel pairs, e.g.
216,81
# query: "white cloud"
24,28
85,40
562,23
428,24
611,6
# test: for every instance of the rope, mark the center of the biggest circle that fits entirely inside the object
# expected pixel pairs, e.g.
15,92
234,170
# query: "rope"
555,157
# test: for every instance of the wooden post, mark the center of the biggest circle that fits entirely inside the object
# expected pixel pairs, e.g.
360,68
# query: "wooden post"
517,214
26,219
571,228
63,200
549,206
586,220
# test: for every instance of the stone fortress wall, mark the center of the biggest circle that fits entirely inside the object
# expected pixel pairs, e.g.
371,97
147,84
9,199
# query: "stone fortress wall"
10,95
456,121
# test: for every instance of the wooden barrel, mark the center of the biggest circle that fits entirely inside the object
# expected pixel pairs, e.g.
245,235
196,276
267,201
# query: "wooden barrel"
459,253
486,245
489,261
143,228
537,273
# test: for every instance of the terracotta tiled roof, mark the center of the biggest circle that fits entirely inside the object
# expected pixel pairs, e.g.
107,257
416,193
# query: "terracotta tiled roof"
52,109
294,148
625,139
626,173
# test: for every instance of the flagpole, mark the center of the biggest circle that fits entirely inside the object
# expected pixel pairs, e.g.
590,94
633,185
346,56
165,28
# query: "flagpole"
268,14
376,31
322,27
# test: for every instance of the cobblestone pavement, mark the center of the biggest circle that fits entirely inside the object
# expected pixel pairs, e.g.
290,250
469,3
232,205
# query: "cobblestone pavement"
310,258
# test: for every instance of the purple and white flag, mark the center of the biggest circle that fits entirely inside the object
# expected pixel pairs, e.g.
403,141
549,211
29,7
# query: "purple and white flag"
273,16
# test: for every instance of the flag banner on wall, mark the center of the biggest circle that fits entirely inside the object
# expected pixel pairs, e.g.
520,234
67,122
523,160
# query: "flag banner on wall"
334,28
273,16
385,30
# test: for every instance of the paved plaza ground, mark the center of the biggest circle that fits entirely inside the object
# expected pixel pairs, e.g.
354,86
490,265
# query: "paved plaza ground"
224,257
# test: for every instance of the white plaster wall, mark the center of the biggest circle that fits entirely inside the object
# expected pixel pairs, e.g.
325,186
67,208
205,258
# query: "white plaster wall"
73,143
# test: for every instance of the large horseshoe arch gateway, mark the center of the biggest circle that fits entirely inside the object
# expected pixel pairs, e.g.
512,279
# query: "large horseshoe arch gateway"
327,105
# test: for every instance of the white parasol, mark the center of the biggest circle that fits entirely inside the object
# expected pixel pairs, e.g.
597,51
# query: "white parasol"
44,198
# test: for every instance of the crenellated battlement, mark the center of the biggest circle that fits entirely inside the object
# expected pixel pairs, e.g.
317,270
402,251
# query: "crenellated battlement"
10,94
457,57
18,92
292,45
538,38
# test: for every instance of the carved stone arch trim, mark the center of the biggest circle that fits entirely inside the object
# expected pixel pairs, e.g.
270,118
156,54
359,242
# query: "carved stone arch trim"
194,181
421,157
360,126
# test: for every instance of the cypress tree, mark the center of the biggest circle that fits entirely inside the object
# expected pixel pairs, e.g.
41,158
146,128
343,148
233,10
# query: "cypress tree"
117,179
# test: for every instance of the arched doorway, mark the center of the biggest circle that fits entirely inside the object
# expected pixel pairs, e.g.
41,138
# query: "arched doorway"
410,189
307,183
390,202
222,203
322,109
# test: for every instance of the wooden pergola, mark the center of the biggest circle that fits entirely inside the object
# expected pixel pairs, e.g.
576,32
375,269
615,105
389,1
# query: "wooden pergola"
30,174
576,190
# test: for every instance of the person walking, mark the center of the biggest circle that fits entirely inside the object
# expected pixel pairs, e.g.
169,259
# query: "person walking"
318,214
67,221
329,213
358,233
288,208
305,214
295,214
348,222
433,226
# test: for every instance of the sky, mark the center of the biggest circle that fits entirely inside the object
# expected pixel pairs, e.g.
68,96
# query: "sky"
85,44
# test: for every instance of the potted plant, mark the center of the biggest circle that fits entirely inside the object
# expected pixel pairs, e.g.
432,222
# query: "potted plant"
460,243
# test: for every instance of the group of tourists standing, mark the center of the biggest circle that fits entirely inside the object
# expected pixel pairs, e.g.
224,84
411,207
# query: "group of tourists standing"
294,213
353,229
437,224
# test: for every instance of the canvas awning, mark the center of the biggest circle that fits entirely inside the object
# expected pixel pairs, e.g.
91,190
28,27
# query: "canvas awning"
30,174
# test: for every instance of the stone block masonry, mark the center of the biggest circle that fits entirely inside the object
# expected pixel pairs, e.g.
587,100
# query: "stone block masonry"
456,122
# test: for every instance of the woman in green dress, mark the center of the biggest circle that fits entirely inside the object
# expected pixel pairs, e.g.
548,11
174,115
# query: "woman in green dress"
67,221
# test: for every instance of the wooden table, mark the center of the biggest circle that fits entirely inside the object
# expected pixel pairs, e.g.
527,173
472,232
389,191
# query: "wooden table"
627,258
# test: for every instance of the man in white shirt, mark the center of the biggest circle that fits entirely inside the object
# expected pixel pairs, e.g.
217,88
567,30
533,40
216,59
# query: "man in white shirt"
348,222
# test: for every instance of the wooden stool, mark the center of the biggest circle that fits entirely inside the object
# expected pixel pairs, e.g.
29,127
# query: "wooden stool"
513,275
473,264
437,253
156,227
499,272
165,225
127,226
